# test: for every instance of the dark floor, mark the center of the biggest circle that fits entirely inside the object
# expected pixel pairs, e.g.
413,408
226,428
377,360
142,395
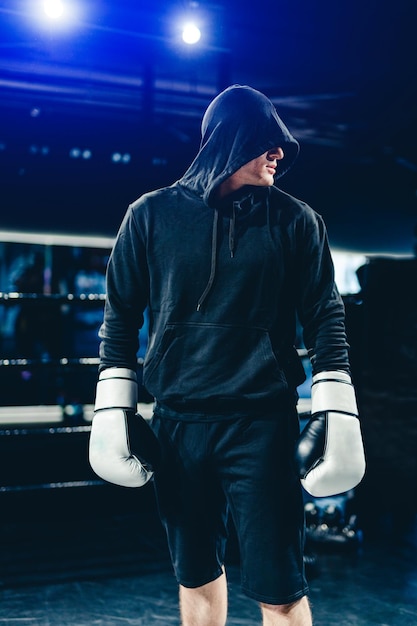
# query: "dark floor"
98,557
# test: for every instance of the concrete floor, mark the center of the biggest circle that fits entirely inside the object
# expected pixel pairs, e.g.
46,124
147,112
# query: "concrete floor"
98,557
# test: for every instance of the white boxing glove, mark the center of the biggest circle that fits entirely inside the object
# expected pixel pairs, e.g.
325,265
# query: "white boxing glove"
329,454
123,449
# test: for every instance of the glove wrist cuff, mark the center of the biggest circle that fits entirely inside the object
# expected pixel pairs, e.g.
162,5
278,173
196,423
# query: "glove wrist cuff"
333,391
332,375
117,388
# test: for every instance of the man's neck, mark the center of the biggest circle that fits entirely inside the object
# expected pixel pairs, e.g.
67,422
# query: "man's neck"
227,187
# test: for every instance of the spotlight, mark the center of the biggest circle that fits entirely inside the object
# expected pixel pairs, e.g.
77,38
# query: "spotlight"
191,34
59,15
54,9
117,157
43,150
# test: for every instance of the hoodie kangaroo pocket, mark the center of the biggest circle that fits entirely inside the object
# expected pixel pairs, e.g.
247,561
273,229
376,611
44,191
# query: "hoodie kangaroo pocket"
200,362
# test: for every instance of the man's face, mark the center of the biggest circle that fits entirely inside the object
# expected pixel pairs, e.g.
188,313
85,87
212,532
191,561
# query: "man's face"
259,171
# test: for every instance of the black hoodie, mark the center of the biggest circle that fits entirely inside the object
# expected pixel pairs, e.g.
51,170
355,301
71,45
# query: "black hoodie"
223,280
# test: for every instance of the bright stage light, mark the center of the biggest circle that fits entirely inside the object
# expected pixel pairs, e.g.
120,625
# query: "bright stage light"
191,34
55,15
53,8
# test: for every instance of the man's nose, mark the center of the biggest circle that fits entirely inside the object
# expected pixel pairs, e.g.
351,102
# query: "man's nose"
275,153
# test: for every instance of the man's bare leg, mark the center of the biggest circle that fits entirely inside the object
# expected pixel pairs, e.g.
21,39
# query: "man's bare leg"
294,614
205,605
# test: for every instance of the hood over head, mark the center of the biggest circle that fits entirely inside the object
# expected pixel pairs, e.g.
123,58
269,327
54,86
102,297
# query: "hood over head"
238,126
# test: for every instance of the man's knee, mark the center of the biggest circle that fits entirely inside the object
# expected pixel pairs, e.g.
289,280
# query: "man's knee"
297,613
281,609
205,605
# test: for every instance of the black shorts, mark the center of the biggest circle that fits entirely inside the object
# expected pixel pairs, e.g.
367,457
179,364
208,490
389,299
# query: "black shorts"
244,467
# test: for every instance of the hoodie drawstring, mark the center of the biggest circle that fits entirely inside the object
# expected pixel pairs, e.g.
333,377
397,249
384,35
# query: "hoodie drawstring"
213,261
232,236
232,227
268,216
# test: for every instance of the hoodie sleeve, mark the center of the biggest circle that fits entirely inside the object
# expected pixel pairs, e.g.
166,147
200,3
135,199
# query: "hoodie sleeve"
320,307
127,289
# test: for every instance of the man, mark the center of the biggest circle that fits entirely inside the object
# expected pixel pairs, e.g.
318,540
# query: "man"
223,261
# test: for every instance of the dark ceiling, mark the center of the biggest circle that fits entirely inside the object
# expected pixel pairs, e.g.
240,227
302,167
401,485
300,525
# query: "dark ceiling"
117,79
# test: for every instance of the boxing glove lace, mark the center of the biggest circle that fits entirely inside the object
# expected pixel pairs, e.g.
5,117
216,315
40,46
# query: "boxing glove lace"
329,454
123,449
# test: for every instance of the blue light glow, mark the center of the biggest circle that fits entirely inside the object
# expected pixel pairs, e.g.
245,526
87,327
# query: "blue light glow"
191,34
54,9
